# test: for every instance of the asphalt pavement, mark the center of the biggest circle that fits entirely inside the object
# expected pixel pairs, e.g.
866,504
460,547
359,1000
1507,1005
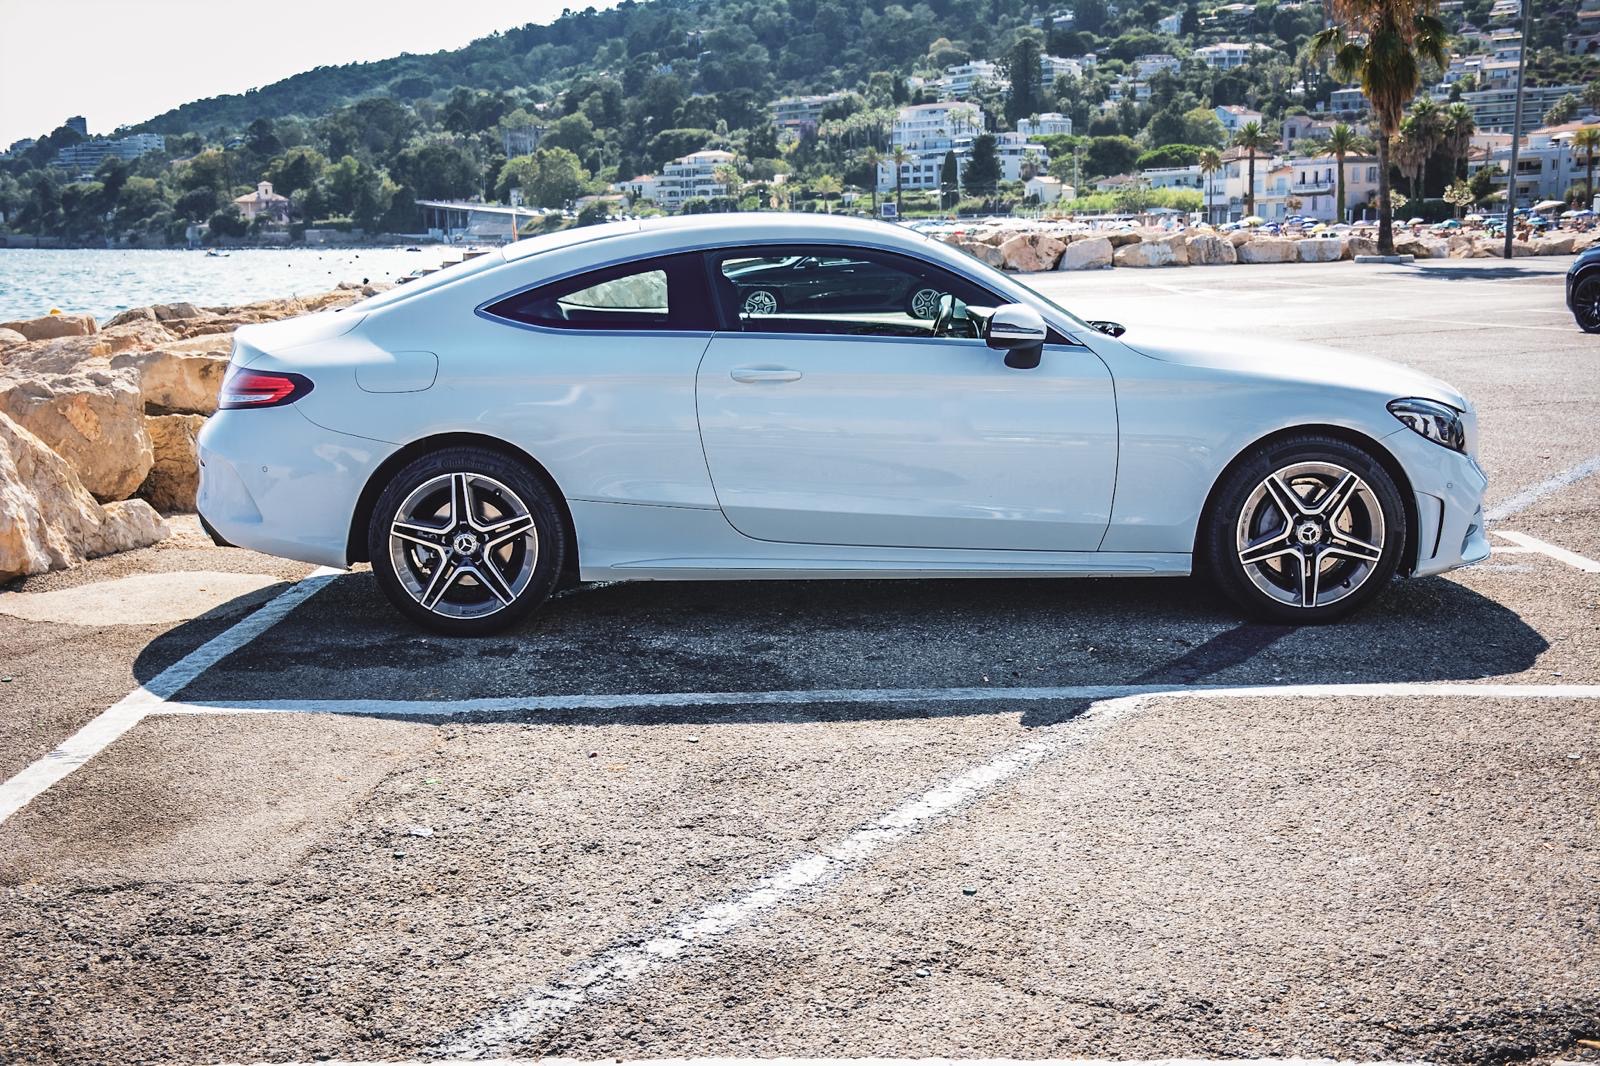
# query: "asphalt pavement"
1019,819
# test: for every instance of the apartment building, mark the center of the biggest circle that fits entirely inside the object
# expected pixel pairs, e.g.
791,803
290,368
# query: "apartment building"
1053,67
1492,109
1234,117
1547,163
1226,55
84,157
801,114
928,132
1314,182
1050,122
962,81
1149,65
692,177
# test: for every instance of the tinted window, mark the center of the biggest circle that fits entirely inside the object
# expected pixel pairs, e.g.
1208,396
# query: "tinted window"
667,293
828,291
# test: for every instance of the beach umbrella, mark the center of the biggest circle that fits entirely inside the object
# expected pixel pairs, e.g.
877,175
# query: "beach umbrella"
1415,222
1474,218
1549,205
1253,220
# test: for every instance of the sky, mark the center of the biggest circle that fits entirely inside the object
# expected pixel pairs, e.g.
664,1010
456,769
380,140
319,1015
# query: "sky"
118,62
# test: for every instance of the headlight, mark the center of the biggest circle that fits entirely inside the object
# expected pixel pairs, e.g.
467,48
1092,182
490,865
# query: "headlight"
1439,422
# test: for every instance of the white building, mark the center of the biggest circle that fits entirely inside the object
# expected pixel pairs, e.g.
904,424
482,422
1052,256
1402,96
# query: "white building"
1048,190
1150,64
928,132
1492,108
1347,101
964,80
263,202
1173,177
1233,117
801,114
1226,55
1315,183
1050,122
1053,67
690,178
82,158
1170,23
1547,163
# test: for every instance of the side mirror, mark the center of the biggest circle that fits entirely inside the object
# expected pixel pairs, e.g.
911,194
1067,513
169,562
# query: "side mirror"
1017,330
1114,329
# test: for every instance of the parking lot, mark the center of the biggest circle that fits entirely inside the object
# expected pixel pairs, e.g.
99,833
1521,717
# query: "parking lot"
1023,819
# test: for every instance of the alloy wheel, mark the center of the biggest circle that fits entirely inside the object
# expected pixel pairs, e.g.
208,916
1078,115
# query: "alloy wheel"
761,302
1310,534
925,303
1586,304
463,545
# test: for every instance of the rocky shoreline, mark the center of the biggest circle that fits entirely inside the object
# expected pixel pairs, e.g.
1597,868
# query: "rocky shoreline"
98,423
1047,247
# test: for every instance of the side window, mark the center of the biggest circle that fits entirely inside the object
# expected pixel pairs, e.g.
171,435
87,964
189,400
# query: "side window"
854,293
666,293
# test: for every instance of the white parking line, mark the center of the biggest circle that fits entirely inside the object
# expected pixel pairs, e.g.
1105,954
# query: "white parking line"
810,697
1530,496
127,712
641,956
1542,547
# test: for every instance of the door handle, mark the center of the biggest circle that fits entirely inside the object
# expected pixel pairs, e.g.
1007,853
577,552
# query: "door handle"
751,375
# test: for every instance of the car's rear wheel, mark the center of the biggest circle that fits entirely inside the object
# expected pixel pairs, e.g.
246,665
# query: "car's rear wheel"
923,302
1306,532
760,302
466,541
1586,303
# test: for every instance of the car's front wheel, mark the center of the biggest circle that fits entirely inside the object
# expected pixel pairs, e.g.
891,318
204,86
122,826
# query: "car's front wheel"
466,541
1305,532
760,302
1586,302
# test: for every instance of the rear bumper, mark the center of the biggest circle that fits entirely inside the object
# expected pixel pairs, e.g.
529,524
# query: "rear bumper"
1448,491
274,482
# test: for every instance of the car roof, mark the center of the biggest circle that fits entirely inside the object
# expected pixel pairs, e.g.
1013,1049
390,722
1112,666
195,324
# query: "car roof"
729,227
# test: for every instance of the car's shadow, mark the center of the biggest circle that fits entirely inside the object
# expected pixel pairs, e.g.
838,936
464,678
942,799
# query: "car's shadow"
1441,272
759,637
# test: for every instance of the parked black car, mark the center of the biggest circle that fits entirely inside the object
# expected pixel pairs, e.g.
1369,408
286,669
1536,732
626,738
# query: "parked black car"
1583,290
811,283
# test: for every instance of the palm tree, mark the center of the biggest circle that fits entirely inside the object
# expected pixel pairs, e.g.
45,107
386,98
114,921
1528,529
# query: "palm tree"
1252,139
1381,44
1588,139
1410,151
899,157
1210,163
827,187
871,158
1459,128
1428,123
1342,140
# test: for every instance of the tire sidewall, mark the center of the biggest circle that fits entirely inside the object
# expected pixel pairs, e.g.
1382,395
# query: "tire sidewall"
1221,522
516,476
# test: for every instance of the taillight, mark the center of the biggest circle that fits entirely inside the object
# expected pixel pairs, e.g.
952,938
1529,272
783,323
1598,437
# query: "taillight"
260,388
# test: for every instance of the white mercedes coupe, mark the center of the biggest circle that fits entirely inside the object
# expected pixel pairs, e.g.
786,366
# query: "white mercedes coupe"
800,396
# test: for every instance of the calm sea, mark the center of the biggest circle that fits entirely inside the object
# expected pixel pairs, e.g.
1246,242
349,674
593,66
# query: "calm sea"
105,281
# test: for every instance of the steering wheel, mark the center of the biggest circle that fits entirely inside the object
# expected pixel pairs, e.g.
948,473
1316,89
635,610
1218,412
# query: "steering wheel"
947,311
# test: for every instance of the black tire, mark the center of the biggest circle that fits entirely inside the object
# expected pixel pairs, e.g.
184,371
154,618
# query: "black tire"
1241,518
1586,302
770,294
528,560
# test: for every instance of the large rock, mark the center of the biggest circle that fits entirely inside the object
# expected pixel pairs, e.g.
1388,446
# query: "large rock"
1122,237
10,338
1362,246
1029,253
1090,253
1208,249
1553,245
131,316
1319,249
48,520
51,326
93,417
176,378
175,475
173,312
1240,236
1146,254
1422,247
988,253
1267,250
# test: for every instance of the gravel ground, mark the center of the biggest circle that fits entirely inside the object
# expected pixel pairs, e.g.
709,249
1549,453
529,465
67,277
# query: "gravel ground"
1340,877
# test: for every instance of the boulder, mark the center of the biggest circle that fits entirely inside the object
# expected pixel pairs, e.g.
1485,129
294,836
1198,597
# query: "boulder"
52,326
175,380
1519,248
10,338
93,417
132,315
1319,249
1208,249
173,312
1031,252
1422,247
1461,245
1267,250
1240,236
1122,237
175,475
1146,254
48,520
1091,253
988,253
1553,245
1178,242
133,335
1362,246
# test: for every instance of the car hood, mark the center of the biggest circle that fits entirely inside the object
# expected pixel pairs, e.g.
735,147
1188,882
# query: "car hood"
1291,361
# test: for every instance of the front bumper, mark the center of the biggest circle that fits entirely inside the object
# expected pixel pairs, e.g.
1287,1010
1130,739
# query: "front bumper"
275,482
1447,488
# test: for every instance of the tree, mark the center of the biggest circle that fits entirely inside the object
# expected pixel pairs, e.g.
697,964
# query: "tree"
1210,163
983,168
1381,44
1587,140
870,159
827,187
1459,195
1563,110
949,181
1022,67
899,157
1252,139
1342,140
1459,128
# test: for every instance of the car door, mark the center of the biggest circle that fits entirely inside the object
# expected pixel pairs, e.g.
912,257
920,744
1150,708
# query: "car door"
864,428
